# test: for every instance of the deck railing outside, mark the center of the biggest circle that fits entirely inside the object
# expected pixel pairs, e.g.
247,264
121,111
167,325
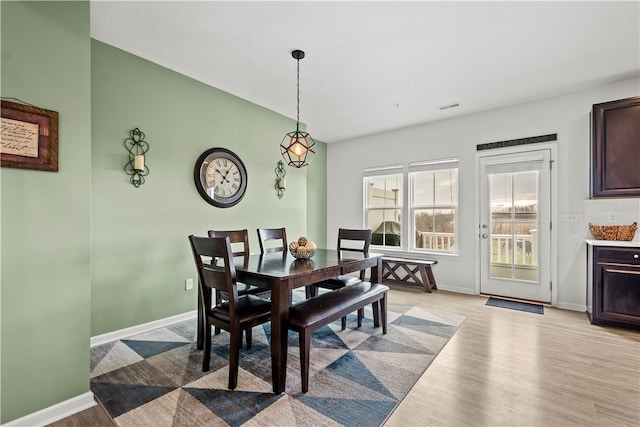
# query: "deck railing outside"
526,246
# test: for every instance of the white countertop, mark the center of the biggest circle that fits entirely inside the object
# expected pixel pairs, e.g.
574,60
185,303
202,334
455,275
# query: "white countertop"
619,243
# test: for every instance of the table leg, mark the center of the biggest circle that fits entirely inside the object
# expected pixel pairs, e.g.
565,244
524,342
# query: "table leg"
279,332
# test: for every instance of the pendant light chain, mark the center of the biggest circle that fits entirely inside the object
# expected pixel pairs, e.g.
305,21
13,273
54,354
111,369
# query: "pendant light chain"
298,97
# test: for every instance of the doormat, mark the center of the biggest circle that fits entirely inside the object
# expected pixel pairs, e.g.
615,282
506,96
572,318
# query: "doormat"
516,305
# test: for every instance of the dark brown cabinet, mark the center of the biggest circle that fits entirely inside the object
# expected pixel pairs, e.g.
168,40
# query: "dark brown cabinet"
615,283
615,149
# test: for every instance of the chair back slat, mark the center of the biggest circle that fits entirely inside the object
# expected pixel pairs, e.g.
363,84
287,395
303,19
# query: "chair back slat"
239,240
267,237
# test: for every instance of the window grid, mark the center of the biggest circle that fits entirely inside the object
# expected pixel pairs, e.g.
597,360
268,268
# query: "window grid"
427,213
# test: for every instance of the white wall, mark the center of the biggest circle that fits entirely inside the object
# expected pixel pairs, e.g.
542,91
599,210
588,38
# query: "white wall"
566,115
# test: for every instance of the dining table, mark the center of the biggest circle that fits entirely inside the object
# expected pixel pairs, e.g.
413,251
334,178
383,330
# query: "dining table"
281,273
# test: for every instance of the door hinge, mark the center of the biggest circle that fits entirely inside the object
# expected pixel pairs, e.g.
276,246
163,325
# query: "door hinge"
551,286
551,164
550,225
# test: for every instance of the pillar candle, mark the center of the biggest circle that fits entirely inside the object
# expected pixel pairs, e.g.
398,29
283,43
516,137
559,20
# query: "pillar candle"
282,183
138,163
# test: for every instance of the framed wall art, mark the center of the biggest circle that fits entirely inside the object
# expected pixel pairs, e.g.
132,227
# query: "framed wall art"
28,137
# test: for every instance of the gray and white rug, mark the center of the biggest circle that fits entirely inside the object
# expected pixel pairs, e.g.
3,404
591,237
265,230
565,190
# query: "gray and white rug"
357,377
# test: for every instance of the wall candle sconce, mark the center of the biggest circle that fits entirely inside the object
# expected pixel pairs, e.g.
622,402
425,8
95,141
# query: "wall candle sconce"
137,147
281,183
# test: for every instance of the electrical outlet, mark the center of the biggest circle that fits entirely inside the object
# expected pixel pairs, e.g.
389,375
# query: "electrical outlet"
576,217
612,217
188,284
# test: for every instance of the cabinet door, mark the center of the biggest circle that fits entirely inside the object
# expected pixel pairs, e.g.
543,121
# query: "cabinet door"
615,149
616,286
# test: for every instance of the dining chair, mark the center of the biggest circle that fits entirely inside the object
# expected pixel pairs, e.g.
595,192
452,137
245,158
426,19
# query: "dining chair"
235,315
349,240
266,237
239,240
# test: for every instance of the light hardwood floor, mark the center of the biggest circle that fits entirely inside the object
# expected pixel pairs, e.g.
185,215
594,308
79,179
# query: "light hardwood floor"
510,368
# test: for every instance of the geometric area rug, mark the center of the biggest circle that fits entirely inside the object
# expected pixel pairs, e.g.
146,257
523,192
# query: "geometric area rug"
357,376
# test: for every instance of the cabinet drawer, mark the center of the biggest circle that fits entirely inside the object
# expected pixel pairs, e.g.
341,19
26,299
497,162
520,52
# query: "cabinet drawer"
618,255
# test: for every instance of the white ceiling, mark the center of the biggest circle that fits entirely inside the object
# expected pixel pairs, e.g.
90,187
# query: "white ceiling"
376,66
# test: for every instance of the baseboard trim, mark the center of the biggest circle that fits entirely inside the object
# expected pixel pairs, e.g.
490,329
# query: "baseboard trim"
56,412
572,307
138,329
457,289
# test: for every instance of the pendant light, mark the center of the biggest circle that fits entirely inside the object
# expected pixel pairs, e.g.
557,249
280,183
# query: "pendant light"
298,148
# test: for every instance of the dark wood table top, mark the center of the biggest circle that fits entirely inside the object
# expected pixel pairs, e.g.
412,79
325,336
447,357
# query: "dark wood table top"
276,266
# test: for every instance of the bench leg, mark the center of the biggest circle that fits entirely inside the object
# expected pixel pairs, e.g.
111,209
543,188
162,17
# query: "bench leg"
425,278
432,280
305,346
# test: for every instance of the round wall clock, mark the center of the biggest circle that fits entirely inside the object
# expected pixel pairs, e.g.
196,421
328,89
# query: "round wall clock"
221,178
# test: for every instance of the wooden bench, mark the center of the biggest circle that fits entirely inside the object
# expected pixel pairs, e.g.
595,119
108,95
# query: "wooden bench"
391,267
313,313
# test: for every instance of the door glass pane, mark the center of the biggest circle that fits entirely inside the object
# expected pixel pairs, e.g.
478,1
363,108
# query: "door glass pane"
513,225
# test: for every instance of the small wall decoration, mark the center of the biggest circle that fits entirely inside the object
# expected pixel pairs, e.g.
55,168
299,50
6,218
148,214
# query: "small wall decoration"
136,166
281,182
28,137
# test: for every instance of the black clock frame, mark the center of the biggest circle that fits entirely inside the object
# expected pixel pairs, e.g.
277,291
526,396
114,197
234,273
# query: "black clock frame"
201,183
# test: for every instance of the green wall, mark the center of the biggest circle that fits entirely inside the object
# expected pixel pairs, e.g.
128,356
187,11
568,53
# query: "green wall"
140,251
83,252
45,217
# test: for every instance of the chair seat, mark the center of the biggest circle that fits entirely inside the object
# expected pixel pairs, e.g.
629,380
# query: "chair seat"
250,308
245,289
337,282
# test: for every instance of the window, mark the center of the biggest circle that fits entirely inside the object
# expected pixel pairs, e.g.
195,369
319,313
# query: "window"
434,205
383,205
422,219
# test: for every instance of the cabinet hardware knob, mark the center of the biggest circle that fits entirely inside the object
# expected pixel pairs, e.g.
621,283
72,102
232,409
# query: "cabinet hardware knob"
636,256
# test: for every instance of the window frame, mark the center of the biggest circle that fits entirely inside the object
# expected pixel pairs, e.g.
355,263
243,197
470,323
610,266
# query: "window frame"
407,205
432,166
384,171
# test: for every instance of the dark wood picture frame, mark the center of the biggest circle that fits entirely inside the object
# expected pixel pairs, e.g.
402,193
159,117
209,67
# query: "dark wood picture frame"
615,149
29,137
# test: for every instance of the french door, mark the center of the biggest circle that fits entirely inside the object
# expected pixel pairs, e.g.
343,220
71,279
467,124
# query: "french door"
515,225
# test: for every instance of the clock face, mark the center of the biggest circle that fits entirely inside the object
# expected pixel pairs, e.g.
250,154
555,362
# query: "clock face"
220,177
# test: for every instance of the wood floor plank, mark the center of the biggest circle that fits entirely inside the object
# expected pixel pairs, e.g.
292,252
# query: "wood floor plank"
507,368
